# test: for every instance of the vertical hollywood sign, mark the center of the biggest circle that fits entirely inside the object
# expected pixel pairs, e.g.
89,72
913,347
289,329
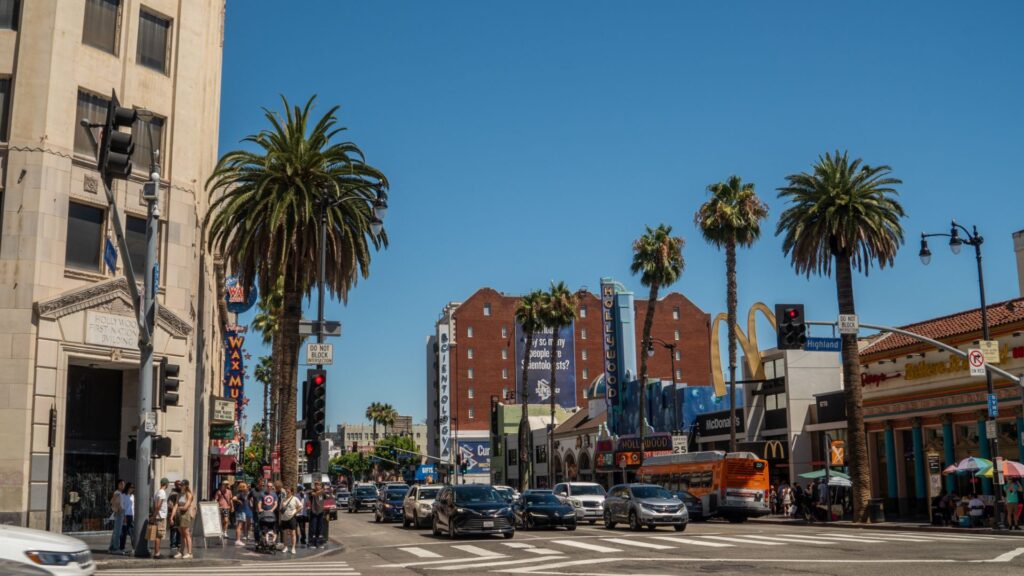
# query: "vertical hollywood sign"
444,383
611,360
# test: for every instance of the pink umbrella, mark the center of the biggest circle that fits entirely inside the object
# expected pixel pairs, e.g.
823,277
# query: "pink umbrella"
951,469
1012,469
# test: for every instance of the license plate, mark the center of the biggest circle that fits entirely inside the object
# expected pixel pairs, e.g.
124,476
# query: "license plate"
488,524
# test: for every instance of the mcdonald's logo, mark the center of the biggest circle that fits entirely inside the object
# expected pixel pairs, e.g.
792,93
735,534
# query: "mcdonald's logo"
747,341
774,450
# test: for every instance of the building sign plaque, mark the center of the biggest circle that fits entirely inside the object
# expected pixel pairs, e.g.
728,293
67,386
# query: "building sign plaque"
222,411
114,330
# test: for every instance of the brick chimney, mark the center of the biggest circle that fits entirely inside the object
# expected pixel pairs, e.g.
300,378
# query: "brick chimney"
1018,248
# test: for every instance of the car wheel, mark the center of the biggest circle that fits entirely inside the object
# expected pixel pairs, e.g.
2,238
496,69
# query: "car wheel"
737,519
509,535
529,524
451,529
592,522
571,527
608,520
634,521
433,528
652,528
680,527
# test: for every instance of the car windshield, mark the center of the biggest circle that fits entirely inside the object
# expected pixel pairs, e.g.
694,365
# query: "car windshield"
476,495
396,493
586,490
541,499
428,493
365,492
342,492
651,492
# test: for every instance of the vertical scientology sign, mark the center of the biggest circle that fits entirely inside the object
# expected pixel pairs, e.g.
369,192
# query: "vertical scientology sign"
538,372
444,383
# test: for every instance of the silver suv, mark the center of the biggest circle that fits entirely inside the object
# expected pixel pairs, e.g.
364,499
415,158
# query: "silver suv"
644,505
586,498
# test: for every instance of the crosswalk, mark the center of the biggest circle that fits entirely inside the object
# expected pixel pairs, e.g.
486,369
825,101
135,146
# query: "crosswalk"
280,567
489,554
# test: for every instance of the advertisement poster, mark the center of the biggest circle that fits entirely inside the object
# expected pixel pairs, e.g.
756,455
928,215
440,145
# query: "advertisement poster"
476,454
539,370
444,382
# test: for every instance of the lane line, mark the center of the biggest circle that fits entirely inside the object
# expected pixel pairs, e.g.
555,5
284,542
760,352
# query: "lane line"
499,563
637,543
586,546
743,541
420,552
476,550
791,540
543,551
841,538
694,542
1007,556
549,569
432,562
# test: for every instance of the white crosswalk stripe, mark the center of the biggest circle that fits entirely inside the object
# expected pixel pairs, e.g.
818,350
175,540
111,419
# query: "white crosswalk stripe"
889,538
517,544
420,552
841,538
806,540
637,543
476,550
586,546
694,542
744,541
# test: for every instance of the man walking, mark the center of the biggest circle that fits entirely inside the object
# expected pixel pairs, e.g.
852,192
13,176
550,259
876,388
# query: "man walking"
224,506
158,518
117,516
316,516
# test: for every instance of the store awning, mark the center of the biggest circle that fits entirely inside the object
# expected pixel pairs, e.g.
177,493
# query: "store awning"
224,464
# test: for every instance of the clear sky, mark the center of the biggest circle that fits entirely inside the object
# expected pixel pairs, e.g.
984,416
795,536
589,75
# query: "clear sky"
531,141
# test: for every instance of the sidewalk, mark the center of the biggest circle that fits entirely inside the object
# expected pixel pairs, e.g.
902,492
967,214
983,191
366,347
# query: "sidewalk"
895,525
213,554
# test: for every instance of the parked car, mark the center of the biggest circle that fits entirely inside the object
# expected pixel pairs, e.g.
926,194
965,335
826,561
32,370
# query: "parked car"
509,493
341,497
39,552
418,506
644,505
586,498
362,498
543,510
330,503
535,491
694,506
472,509
389,503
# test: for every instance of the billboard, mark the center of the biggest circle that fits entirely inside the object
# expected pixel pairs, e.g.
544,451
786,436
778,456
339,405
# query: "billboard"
477,454
538,372
444,386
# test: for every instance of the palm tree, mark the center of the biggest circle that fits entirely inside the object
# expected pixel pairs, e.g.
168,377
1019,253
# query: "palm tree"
730,218
264,375
373,414
658,258
388,417
266,322
264,219
528,316
844,211
558,310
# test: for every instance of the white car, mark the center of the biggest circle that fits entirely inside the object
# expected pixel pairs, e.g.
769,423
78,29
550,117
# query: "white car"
586,498
418,507
47,552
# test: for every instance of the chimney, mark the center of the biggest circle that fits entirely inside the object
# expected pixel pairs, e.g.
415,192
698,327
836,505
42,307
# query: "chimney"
1018,248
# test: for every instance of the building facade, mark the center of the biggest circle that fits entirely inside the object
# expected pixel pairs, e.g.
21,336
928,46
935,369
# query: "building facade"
68,336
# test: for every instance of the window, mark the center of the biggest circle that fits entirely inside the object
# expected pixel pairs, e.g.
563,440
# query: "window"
144,146
9,14
469,393
471,414
135,237
504,353
583,333
504,373
586,374
679,374
675,313
153,34
102,24
583,354
677,334
504,331
487,309
469,374
94,109
5,106
583,311
469,353
678,355
469,332
504,393
85,236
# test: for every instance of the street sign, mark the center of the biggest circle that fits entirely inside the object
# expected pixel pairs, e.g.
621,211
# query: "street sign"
312,327
156,278
977,362
222,431
110,256
848,324
222,411
990,349
320,354
149,424
823,344
679,443
993,406
990,429
837,453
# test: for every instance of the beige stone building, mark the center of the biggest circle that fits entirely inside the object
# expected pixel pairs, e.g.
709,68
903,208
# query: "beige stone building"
68,338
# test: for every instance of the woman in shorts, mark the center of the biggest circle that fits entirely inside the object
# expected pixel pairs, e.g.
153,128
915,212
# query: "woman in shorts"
184,516
290,507
243,514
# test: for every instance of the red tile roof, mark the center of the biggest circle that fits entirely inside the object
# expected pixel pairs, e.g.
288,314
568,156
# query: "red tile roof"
949,327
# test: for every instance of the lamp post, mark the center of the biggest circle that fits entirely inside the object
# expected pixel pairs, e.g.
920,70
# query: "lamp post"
671,347
972,238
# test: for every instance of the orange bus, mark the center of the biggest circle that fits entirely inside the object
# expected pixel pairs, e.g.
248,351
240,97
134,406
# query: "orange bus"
733,486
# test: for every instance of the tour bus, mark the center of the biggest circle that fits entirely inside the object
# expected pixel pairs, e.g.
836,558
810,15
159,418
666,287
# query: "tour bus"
733,486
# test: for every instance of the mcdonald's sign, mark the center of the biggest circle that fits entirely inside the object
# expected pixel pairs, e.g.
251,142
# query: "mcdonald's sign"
774,450
747,341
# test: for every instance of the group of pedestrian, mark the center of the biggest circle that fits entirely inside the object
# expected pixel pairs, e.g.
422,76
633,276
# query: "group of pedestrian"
175,510
122,505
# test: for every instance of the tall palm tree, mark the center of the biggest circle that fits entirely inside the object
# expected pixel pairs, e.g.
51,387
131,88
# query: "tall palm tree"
658,258
373,414
528,315
388,417
730,218
558,310
265,321
264,375
844,214
264,219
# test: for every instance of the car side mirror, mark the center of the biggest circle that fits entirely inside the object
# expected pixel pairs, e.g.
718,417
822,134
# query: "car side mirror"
627,497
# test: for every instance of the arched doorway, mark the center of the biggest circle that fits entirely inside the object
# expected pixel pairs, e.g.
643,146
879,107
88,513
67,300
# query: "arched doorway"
571,470
586,473
556,466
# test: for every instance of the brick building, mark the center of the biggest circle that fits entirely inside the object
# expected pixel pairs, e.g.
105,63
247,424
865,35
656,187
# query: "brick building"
481,355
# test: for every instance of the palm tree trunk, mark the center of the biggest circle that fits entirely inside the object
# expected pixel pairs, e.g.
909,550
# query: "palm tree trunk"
276,385
856,439
551,432
524,423
652,301
290,316
730,297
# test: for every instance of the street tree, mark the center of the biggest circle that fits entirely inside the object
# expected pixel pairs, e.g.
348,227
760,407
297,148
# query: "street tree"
558,309
529,315
264,220
730,218
374,413
388,417
264,375
844,214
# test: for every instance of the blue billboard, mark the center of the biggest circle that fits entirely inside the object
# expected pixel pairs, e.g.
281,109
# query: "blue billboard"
538,372
663,400
476,454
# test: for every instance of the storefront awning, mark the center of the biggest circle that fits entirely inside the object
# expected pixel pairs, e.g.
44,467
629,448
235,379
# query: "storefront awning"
224,464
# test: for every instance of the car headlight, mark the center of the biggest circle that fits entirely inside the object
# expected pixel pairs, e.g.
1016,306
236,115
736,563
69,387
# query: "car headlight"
576,503
425,507
49,558
503,512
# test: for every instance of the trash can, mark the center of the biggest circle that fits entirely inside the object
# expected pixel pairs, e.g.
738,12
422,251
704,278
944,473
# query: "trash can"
876,510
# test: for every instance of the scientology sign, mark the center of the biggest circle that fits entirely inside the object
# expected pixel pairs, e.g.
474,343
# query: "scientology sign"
538,372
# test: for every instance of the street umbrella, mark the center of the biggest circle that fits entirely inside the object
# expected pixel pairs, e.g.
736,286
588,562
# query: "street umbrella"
1011,469
951,469
821,473
973,464
834,480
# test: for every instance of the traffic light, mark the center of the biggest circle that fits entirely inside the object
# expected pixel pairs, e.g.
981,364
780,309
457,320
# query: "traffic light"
316,400
116,147
169,384
311,449
790,327
133,447
161,446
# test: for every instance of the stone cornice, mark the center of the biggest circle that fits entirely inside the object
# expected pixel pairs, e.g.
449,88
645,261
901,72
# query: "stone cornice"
111,295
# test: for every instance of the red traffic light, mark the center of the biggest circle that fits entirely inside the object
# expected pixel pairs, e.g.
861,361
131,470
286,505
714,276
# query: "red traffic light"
319,380
792,313
310,448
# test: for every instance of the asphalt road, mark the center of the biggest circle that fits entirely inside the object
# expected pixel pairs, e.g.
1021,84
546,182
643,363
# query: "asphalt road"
716,547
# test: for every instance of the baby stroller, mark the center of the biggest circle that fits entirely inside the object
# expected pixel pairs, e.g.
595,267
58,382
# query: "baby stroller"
267,542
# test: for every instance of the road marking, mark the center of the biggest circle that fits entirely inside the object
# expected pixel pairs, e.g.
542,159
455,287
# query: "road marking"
948,535
420,552
840,538
543,551
477,565
637,543
743,541
791,540
290,568
1007,556
432,562
547,568
885,537
586,546
476,550
692,541
518,545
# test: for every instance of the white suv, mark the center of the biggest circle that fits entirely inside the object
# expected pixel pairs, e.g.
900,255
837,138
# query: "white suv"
586,498
40,552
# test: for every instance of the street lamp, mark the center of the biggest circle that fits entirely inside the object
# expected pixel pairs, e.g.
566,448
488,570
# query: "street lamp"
671,347
972,238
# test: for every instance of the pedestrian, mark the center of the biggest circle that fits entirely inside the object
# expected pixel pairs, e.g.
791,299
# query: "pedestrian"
158,518
977,510
172,502
316,515
254,504
183,517
290,506
1013,498
773,499
243,513
128,505
787,501
303,516
266,507
279,493
224,507
117,516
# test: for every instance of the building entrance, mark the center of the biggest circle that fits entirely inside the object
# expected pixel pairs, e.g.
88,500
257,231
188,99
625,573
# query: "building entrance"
92,442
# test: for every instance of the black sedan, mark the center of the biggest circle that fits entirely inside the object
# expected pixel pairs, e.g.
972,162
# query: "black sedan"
694,505
472,509
389,505
362,498
544,510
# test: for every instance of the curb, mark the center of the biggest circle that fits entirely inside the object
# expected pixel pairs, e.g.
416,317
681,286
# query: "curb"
120,562
896,527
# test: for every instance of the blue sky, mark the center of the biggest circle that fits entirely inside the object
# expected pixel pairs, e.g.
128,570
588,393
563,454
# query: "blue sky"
531,141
